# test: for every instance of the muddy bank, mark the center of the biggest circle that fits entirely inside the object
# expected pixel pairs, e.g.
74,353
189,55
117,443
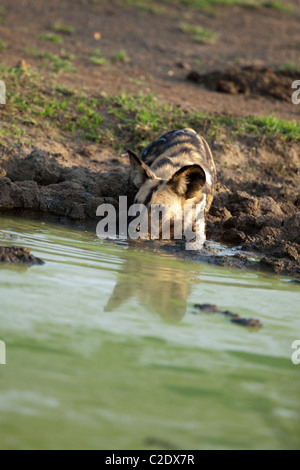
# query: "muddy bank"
39,186
259,213
249,80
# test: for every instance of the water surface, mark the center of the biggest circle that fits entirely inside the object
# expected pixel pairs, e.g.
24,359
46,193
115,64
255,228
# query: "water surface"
104,351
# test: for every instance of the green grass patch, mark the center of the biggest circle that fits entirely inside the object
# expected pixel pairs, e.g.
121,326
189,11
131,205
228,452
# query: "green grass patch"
95,53
63,28
66,55
100,61
56,63
207,5
38,102
2,15
2,45
153,7
96,58
34,101
50,37
277,5
269,126
160,8
290,67
199,34
121,56
144,118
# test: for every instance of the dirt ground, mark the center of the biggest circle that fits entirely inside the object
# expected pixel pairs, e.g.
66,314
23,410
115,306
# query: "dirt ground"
159,52
258,196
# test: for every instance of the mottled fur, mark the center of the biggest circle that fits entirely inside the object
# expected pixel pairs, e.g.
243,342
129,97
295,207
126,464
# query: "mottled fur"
174,170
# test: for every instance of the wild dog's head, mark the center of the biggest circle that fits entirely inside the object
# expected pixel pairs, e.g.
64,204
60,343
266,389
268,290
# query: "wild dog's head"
185,186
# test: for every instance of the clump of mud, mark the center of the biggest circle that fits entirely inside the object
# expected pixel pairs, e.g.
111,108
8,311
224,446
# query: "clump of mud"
233,317
13,255
39,185
248,80
258,224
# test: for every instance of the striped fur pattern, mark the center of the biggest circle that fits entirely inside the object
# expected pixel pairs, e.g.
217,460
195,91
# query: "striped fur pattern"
176,169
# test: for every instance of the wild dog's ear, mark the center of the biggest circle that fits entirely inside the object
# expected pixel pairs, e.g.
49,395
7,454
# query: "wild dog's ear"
139,170
188,181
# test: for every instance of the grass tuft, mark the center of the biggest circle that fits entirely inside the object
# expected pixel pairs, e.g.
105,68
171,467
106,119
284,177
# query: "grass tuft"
50,37
199,34
63,28
2,15
97,59
54,62
121,56
153,7
100,61
290,67
208,5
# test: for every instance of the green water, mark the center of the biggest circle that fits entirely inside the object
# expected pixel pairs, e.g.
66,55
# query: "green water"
103,351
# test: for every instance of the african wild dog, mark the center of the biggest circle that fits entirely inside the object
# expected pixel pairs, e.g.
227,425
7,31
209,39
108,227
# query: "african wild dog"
176,169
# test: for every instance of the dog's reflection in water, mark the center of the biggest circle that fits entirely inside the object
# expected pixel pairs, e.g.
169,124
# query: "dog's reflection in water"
162,288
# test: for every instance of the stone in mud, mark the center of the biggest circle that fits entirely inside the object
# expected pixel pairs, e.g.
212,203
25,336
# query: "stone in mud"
286,250
252,225
38,166
14,255
275,265
242,203
6,201
233,236
25,195
208,308
292,228
247,322
229,314
234,317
